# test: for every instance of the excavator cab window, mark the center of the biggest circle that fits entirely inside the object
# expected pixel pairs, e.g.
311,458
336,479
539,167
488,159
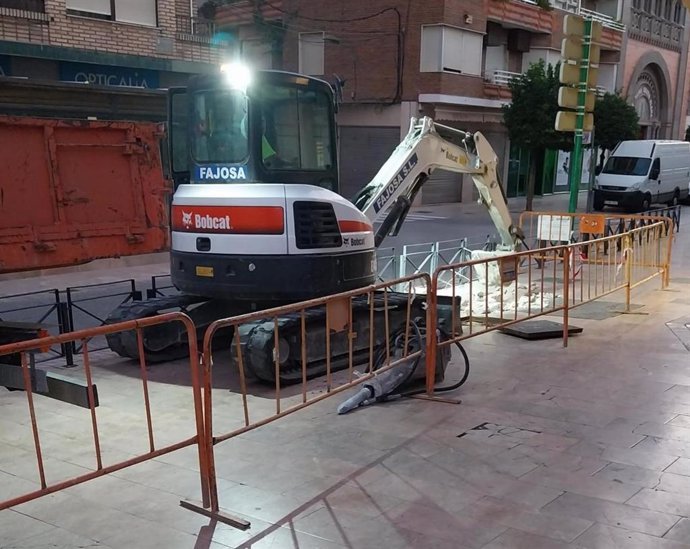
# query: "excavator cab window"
177,127
278,128
295,128
218,134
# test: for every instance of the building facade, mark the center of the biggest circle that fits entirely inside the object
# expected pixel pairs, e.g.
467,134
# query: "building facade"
452,60
132,43
654,75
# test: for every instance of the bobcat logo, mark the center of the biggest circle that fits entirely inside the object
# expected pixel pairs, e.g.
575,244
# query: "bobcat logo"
187,219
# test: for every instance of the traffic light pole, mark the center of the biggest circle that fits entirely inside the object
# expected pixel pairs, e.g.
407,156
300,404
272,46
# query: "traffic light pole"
575,172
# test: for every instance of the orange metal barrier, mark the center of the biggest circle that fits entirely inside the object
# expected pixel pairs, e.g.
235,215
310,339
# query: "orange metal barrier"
496,292
339,313
493,292
623,261
83,336
533,283
555,228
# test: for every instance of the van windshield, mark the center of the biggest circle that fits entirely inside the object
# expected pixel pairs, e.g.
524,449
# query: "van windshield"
627,165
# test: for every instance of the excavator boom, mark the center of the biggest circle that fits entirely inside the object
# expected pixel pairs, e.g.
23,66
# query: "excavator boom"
387,198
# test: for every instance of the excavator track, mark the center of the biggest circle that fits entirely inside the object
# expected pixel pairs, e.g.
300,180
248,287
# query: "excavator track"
258,339
161,343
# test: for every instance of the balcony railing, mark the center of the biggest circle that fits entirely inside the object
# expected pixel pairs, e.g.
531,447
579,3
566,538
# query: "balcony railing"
655,30
573,6
23,5
605,20
33,10
196,29
20,26
501,77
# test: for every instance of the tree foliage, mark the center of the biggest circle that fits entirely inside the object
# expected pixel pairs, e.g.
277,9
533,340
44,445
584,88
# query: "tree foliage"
531,115
615,120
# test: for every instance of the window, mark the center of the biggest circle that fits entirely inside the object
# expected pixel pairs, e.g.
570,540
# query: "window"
668,7
627,165
450,49
219,134
296,129
678,13
178,132
140,12
311,53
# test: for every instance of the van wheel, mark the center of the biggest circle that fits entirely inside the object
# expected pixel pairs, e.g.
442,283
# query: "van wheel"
646,202
676,198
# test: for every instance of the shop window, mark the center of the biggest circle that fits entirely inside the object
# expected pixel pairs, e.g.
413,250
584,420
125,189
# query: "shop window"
139,12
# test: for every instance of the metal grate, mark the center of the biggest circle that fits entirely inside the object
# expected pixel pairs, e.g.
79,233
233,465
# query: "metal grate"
316,226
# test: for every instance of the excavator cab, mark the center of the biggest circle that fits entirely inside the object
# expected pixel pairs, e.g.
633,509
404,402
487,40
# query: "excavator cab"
254,161
261,127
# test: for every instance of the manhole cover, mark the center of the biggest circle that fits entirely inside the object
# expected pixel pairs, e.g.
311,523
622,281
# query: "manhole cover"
539,329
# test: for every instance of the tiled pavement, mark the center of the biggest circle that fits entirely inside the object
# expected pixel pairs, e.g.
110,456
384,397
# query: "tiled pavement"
584,447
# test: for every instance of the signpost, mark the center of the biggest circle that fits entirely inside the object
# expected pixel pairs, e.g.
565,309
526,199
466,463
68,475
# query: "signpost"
578,74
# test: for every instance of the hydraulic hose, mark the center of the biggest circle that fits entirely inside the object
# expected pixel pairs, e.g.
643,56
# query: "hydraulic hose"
453,387
382,387
418,334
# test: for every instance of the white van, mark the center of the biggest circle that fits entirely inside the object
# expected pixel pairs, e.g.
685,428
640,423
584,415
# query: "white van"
644,172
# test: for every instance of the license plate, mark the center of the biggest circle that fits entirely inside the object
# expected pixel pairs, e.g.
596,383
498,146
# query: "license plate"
611,202
204,271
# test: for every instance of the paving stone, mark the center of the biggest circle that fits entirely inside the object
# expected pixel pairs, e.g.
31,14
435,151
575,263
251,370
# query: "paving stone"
55,538
665,502
680,467
641,455
493,510
437,522
680,532
602,536
630,474
613,514
582,484
529,495
516,539
670,482
681,420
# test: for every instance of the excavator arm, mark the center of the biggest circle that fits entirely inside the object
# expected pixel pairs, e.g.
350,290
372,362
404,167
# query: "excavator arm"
387,198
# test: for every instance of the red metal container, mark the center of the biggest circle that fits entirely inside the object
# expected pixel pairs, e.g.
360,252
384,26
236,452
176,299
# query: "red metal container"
74,191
